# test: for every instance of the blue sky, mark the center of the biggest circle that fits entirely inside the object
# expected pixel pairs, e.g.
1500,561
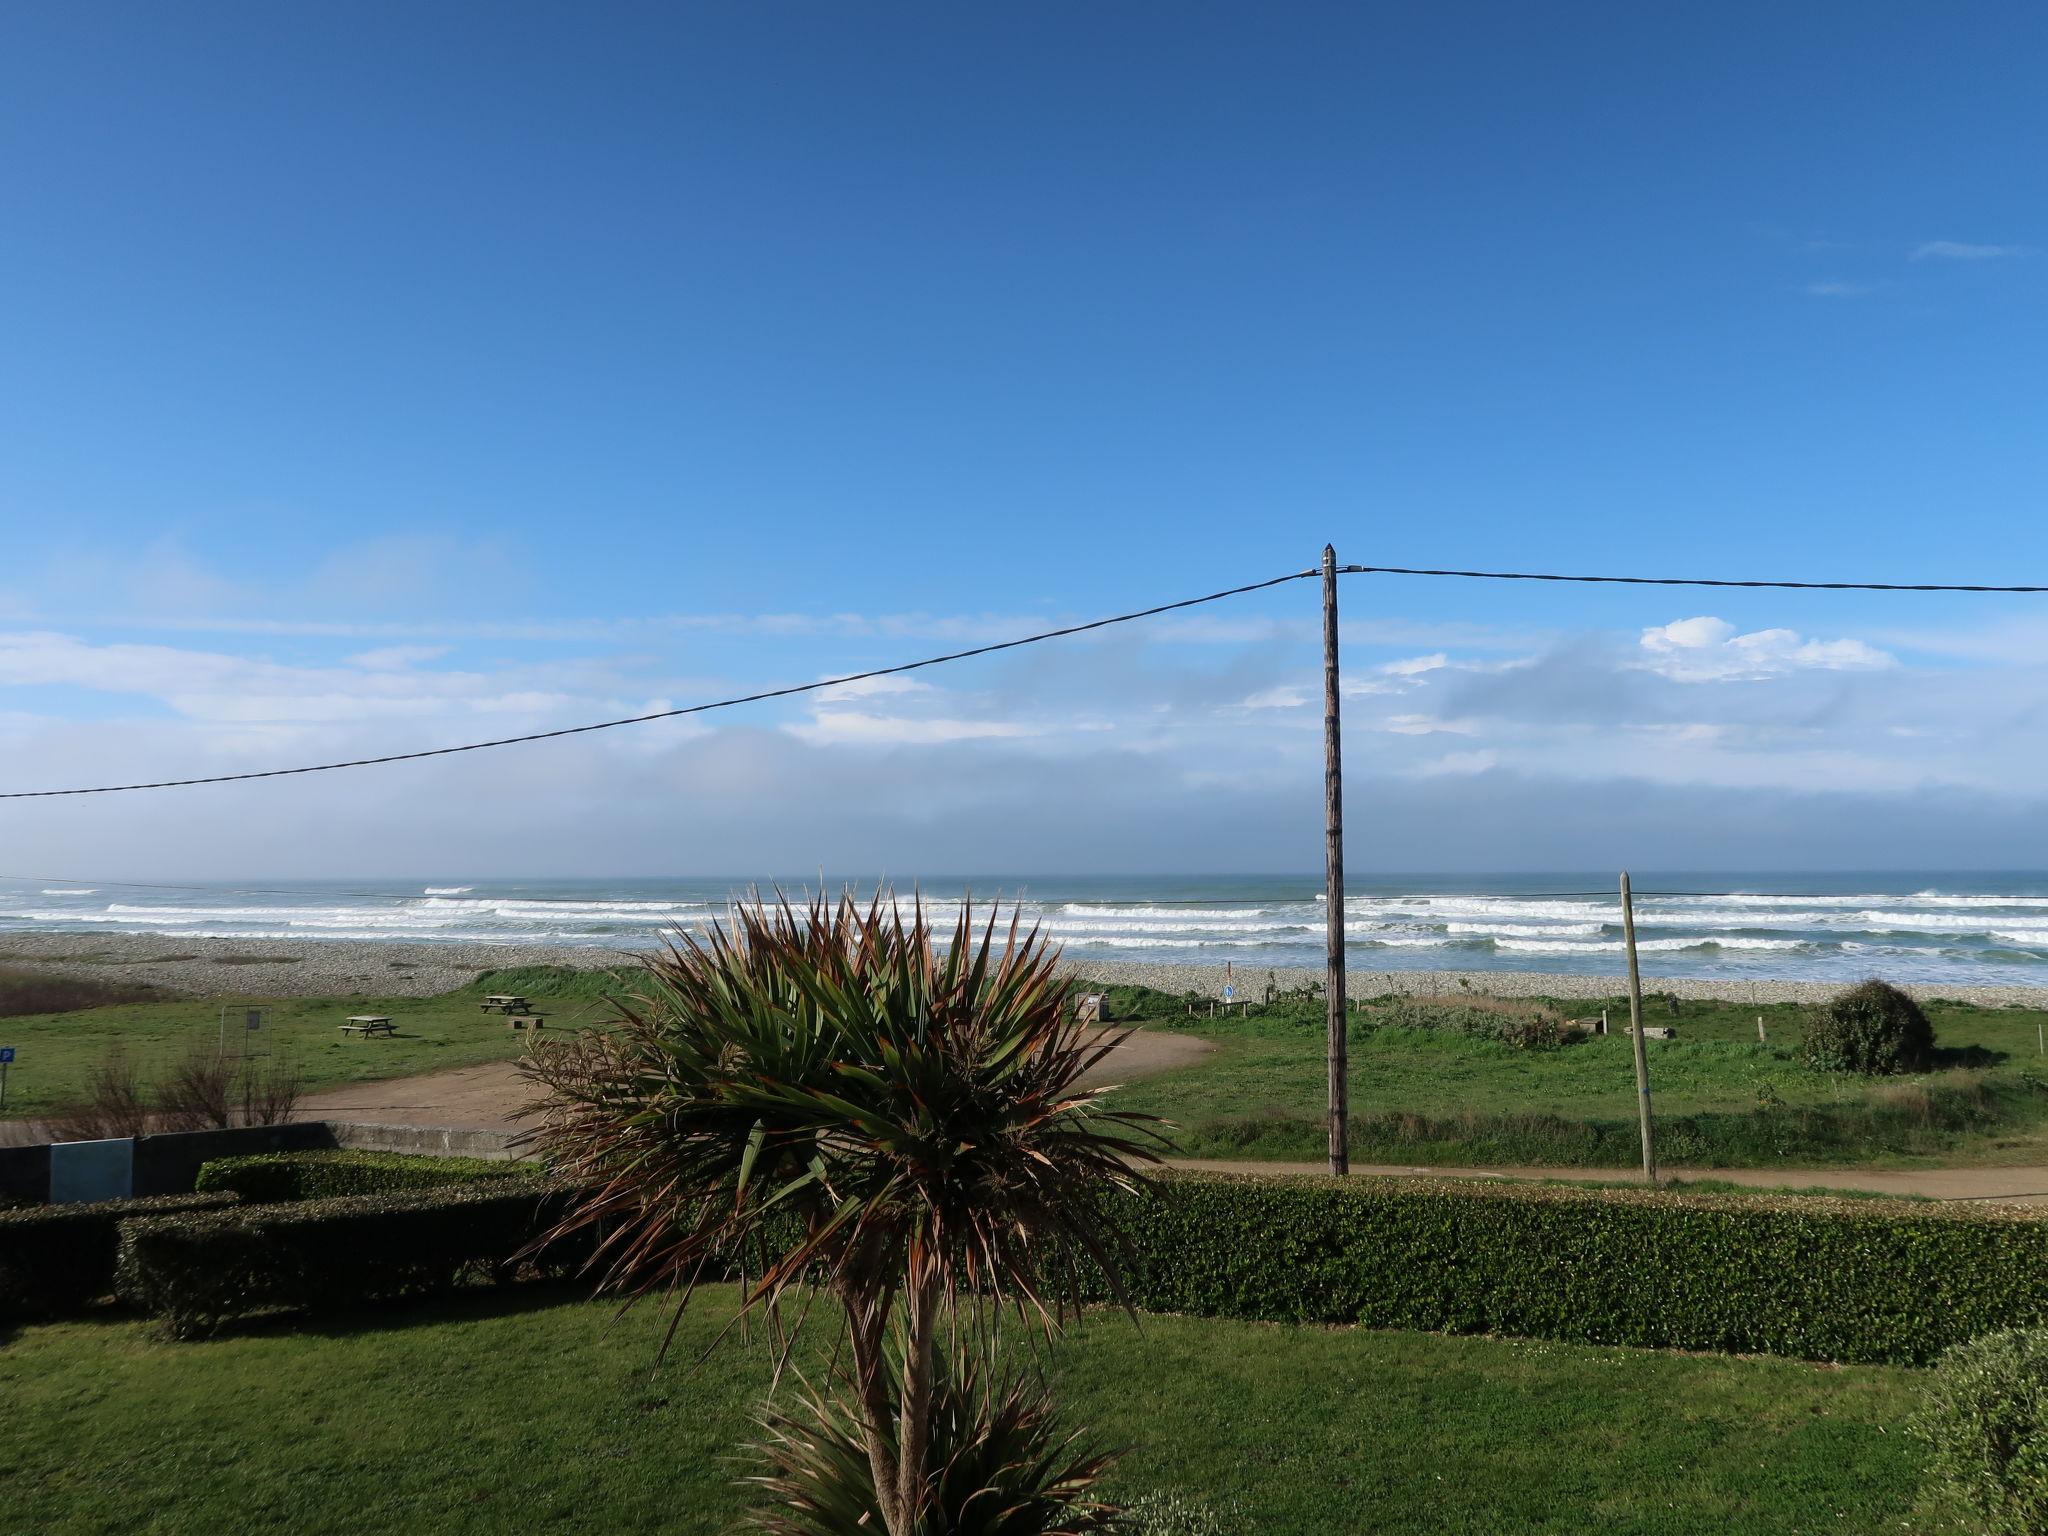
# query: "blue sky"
383,377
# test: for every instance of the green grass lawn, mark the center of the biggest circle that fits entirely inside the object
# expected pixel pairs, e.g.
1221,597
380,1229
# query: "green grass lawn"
54,1052
1721,1096
528,1412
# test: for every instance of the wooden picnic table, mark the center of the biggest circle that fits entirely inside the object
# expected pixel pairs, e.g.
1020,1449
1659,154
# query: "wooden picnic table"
505,1002
368,1024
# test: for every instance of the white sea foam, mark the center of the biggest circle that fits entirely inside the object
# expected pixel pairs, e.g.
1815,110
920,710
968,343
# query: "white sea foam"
448,890
65,890
1528,930
1616,946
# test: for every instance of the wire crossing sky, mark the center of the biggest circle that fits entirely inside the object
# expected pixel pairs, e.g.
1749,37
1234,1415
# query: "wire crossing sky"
399,376
849,678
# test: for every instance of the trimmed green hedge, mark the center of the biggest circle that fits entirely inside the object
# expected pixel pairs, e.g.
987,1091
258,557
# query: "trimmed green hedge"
199,1271
56,1260
1824,1279
275,1176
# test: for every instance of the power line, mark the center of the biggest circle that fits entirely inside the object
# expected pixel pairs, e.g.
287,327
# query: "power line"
1002,645
669,714
1685,581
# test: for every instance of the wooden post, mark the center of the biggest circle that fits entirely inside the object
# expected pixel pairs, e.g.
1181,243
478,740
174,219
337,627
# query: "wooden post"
1635,1019
1333,859
1760,1040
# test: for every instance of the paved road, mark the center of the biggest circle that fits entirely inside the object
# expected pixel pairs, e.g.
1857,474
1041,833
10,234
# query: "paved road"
487,1097
2019,1186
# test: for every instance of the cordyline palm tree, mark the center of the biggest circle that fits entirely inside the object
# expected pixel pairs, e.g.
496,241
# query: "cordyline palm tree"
822,1096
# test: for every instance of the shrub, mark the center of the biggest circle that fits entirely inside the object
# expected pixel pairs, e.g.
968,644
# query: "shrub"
59,1259
1850,1280
27,990
114,1104
198,1271
207,1090
1873,1028
1001,1464
1984,1419
1523,1025
268,1177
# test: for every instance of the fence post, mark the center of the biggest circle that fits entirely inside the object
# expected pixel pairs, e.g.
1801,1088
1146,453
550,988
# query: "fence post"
1635,1019
1333,858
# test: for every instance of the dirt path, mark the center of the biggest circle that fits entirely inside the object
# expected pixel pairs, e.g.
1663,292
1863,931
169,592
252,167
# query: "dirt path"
486,1097
2017,1186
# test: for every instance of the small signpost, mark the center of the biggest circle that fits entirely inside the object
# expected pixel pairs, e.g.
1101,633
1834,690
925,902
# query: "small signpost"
1229,982
6,1061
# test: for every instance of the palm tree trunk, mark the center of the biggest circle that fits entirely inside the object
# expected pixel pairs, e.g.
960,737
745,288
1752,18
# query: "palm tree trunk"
915,1415
869,1339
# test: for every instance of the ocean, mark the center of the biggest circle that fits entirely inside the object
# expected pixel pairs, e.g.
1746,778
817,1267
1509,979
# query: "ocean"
1987,929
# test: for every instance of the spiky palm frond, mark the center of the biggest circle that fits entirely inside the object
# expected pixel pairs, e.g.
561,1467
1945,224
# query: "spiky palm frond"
826,1091
999,1465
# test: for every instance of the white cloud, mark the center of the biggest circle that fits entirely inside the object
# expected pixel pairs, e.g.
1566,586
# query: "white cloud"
1958,250
1285,696
1427,725
847,725
1415,665
393,658
1452,763
1835,288
1708,650
872,688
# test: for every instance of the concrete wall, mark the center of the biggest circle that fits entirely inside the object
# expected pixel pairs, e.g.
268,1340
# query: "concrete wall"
428,1141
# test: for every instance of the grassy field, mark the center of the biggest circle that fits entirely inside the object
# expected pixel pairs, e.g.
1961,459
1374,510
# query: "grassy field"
1722,1098
527,1413
1418,1096
54,1051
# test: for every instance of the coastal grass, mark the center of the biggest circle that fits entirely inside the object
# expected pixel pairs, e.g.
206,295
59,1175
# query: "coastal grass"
55,1050
1722,1098
1418,1095
534,1412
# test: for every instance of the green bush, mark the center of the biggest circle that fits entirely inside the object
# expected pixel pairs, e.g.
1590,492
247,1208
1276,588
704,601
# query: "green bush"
57,1260
1850,1280
1513,1024
1984,1420
275,1176
199,1271
1873,1028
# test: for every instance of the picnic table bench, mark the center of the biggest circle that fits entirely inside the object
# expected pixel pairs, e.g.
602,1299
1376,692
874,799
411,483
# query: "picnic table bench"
525,1021
368,1024
505,1002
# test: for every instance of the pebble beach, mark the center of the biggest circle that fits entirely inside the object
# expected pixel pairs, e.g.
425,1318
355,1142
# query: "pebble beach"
207,967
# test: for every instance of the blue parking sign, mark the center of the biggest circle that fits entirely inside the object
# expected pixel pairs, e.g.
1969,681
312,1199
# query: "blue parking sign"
6,1054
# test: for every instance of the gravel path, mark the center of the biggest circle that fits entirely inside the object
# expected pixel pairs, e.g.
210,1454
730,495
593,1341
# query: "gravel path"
341,967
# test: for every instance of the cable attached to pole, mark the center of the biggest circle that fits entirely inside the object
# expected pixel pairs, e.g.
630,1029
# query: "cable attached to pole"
1686,581
670,714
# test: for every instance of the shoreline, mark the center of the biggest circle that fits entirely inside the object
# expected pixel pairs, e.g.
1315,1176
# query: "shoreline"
209,967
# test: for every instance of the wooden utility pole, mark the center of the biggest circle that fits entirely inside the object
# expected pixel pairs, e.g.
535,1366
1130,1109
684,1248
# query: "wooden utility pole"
1333,858
1635,1019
